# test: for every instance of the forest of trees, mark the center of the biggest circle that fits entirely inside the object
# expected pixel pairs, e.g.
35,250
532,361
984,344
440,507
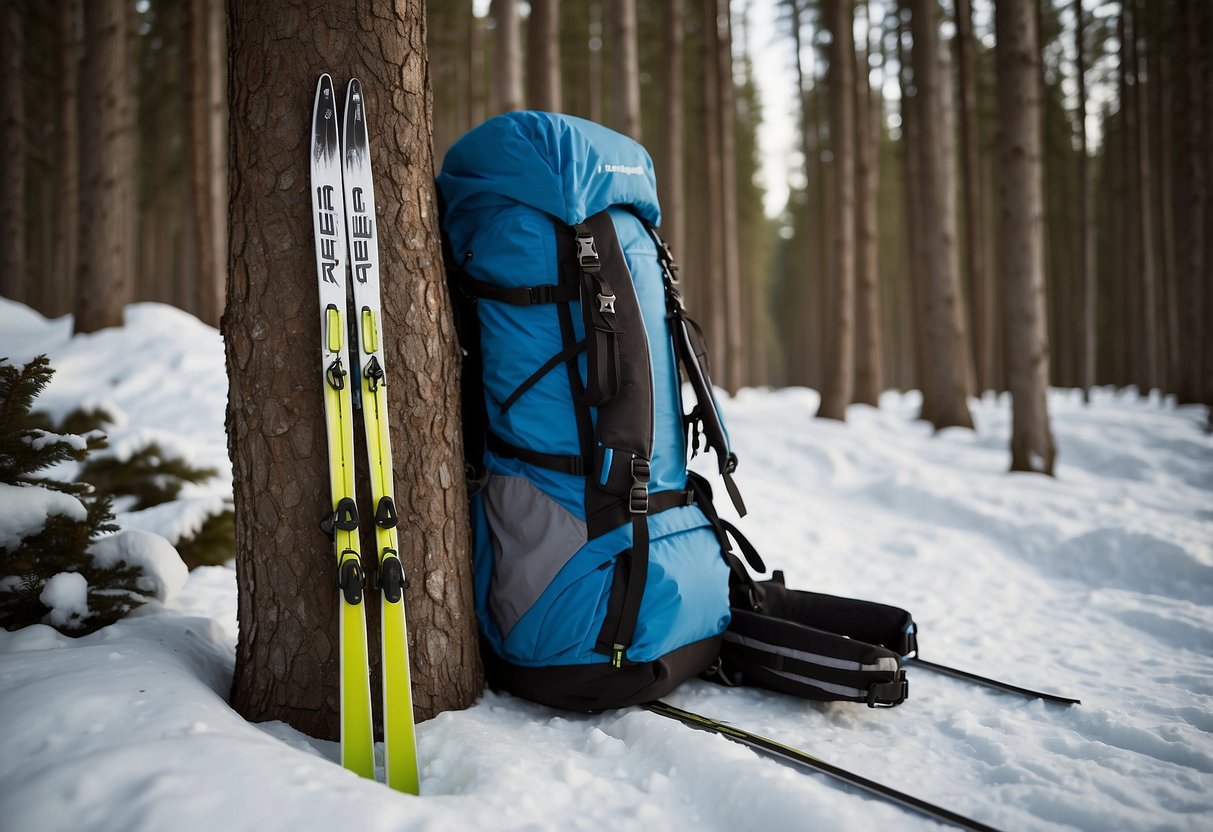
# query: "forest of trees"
987,192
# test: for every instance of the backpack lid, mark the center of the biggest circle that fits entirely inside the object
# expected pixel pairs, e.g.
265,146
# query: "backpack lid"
562,165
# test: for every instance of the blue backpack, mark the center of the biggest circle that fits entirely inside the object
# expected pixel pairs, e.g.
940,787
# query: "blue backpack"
602,572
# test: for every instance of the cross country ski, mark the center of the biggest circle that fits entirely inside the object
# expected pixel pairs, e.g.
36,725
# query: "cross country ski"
347,259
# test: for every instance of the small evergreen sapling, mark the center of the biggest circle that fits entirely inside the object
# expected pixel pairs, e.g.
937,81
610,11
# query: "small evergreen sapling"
33,549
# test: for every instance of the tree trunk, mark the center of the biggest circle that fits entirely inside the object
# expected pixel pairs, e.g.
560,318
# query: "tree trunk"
978,279
805,315
216,122
106,265
67,157
1151,372
1021,232
869,370
944,396
1086,219
208,288
625,69
838,380
507,78
476,85
913,312
1191,200
286,661
14,282
734,346
543,56
710,292
670,173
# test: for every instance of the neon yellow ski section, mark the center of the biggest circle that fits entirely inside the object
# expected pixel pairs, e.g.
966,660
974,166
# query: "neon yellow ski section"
357,737
399,740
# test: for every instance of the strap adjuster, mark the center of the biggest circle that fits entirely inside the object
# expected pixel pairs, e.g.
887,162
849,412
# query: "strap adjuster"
606,304
889,694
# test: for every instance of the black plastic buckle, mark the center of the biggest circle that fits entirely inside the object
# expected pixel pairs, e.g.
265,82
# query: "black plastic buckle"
587,253
889,694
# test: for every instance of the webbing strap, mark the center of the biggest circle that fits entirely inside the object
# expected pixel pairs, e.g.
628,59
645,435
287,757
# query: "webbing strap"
553,462
569,352
518,295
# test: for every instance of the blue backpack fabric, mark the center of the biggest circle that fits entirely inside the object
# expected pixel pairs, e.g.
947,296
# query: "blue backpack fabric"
602,573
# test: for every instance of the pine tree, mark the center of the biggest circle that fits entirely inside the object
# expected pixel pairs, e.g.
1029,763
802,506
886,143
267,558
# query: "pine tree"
29,559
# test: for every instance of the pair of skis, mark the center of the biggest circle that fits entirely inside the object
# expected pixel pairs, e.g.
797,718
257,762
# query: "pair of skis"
347,257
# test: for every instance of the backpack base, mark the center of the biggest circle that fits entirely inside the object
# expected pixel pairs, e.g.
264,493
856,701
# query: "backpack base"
590,688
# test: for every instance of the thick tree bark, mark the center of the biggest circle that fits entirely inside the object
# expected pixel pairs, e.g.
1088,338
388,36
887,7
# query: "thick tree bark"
107,259
507,79
839,377
625,69
869,367
945,395
976,272
671,182
286,662
14,282
1021,232
543,56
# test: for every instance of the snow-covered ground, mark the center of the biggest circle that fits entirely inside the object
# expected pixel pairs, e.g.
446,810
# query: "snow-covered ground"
1097,584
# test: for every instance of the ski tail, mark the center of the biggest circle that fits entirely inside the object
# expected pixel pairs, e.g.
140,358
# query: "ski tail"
797,757
992,683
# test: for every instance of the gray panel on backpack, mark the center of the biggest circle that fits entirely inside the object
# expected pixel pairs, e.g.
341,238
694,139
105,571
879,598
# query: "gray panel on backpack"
533,538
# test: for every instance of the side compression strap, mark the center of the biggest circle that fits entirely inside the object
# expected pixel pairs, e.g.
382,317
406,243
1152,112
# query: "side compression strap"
691,350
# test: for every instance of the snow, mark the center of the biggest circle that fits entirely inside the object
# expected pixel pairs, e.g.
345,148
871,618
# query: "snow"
66,595
163,572
26,507
1097,584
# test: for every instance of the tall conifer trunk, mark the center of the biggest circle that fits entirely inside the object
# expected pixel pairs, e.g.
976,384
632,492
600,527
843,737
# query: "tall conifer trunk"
1021,233
107,263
